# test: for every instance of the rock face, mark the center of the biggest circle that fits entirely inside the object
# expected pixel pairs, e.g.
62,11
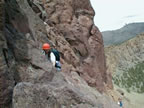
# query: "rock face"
62,92
6,74
74,20
69,28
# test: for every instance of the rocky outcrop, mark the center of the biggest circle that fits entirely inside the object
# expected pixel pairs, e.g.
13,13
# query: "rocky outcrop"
74,20
69,28
62,92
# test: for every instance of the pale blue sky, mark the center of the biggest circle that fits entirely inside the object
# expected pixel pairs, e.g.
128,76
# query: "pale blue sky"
113,14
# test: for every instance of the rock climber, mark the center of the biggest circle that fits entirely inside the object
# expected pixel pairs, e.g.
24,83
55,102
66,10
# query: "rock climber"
52,55
120,102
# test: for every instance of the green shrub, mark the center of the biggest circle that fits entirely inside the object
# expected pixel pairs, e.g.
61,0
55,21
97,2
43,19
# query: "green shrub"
131,79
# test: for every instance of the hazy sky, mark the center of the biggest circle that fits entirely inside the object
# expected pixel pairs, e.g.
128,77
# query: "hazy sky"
113,14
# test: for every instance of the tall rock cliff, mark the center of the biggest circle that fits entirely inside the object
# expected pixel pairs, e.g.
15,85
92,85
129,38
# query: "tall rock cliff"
28,79
74,20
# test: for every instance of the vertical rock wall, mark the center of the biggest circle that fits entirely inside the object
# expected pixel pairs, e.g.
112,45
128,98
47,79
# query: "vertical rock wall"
70,29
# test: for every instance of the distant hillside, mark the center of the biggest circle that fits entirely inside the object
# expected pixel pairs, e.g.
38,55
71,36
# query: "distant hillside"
126,62
123,34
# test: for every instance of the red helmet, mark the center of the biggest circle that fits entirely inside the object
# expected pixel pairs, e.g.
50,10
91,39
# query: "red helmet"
46,46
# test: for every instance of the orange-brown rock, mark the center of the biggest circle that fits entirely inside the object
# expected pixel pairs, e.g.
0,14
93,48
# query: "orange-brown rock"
84,48
71,30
